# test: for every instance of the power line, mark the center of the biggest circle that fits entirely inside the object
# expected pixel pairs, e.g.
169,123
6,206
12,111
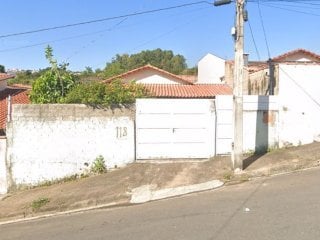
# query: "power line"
254,42
78,36
158,36
298,5
264,31
305,91
103,19
290,10
94,40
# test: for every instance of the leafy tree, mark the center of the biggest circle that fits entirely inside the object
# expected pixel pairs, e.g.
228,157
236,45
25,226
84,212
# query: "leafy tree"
27,77
97,93
2,69
164,59
54,83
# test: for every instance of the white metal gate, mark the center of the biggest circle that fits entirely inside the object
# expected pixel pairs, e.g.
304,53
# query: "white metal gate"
224,130
175,128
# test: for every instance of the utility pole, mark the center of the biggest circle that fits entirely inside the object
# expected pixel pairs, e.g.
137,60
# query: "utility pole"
237,145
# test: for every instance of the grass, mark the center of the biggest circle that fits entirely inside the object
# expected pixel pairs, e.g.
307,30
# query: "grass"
39,203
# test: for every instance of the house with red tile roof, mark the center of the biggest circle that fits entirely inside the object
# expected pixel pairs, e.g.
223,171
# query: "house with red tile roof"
162,84
256,73
10,95
149,74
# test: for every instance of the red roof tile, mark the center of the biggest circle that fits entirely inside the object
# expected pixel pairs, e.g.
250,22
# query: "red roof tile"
187,91
4,76
282,57
149,67
18,95
189,78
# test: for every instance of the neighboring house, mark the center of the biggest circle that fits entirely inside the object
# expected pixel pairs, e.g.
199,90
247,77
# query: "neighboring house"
295,78
162,84
16,94
256,73
211,69
149,74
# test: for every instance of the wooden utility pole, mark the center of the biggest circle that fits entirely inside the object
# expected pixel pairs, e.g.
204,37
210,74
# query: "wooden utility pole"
237,147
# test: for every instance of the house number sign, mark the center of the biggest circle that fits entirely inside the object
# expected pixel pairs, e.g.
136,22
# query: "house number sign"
121,132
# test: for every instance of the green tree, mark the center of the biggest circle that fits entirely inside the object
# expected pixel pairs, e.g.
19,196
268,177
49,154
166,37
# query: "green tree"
53,85
164,59
101,94
2,69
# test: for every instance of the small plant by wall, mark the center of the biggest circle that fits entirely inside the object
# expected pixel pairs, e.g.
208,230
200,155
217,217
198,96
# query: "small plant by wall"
98,165
38,203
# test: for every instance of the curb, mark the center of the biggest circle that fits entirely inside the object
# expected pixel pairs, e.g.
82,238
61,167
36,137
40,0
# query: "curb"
139,195
79,210
145,193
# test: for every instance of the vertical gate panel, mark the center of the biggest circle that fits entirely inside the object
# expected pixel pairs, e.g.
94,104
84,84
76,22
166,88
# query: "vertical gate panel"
175,128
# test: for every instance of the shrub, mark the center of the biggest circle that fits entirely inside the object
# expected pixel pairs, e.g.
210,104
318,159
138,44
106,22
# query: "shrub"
38,203
99,166
96,93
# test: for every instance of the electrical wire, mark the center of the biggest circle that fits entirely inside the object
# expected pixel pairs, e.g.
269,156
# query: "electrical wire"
290,10
254,42
304,90
264,31
103,19
94,40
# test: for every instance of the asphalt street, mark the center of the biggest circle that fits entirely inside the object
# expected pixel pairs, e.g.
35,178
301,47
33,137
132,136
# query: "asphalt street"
280,207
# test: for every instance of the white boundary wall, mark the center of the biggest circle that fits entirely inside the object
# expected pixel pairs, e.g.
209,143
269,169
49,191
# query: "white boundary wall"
47,142
3,169
299,100
260,123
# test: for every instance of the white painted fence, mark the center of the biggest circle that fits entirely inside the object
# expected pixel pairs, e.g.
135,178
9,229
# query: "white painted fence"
48,142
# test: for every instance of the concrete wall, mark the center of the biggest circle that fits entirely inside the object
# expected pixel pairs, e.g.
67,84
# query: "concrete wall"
229,76
260,123
47,142
3,169
211,69
299,100
3,84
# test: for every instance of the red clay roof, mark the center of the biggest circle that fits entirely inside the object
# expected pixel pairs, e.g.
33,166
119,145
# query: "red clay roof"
187,91
18,95
4,76
189,78
149,67
282,57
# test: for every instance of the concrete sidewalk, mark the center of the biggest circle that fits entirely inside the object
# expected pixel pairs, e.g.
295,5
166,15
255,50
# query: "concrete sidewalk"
141,182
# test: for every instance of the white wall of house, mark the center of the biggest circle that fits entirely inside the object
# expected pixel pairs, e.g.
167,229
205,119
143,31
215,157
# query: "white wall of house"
150,76
299,100
47,142
3,84
210,69
3,169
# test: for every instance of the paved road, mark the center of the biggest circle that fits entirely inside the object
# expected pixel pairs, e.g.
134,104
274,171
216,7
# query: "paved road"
282,207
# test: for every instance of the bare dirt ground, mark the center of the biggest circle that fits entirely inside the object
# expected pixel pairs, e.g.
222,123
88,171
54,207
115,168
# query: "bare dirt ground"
115,186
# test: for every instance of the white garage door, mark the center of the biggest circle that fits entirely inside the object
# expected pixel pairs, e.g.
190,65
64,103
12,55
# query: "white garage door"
175,128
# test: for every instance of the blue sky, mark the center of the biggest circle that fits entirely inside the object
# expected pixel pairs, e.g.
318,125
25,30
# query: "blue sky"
191,31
